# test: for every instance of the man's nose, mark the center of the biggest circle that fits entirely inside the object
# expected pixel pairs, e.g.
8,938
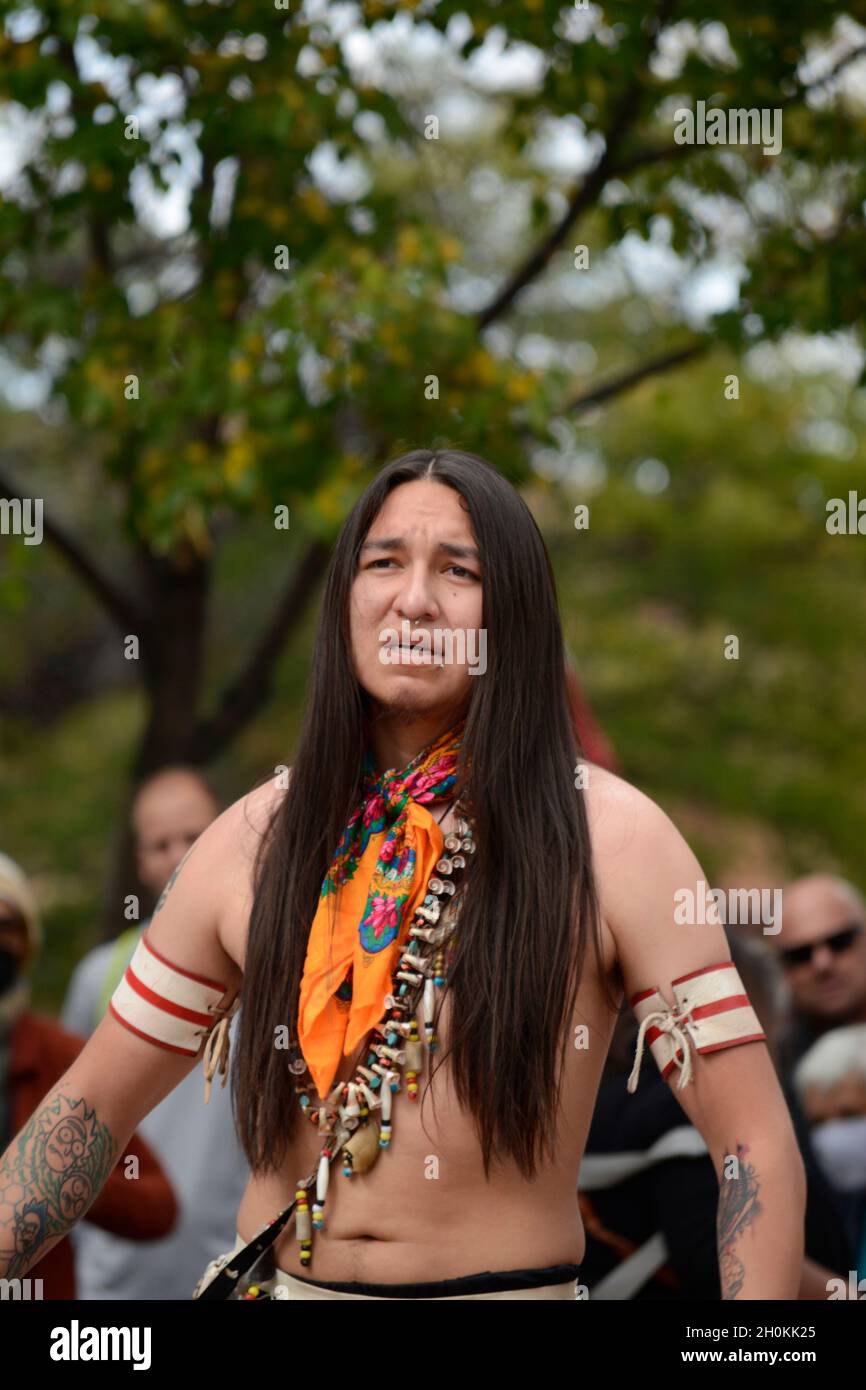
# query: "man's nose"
415,599
822,958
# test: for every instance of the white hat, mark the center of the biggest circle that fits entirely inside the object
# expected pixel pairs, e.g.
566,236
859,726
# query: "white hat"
15,889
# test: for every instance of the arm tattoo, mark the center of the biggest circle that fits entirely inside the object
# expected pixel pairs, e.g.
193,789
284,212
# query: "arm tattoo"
738,1208
49,1176
172,880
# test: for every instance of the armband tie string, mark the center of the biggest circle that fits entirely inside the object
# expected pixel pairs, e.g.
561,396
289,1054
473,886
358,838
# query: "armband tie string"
667,1021
216,1050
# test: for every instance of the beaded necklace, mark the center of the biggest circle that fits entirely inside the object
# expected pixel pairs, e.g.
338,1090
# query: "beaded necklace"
346,1119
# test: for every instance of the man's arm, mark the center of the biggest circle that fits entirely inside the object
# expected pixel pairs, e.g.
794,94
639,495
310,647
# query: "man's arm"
57,1164
733,1096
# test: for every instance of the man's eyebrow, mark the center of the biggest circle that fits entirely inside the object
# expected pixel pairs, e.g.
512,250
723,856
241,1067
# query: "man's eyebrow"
459,552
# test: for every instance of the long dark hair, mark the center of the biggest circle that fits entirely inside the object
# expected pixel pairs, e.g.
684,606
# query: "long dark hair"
529,901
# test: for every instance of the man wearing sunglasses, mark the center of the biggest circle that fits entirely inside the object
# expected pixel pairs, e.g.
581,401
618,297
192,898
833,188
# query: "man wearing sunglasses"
822,952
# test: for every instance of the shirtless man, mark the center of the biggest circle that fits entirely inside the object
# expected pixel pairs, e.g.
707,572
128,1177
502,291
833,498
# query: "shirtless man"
443,541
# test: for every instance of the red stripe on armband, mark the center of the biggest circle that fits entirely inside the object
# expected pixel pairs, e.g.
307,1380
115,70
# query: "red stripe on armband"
165,1004
131,1028
152,997
178,970
711,1011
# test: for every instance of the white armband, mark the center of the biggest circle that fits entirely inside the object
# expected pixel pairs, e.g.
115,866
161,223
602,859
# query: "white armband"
174,1008
712,1010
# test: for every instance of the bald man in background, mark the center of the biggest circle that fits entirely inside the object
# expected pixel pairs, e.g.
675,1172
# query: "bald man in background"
196,1144
822,953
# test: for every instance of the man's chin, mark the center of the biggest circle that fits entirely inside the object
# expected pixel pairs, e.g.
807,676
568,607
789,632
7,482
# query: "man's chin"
410,699
406,707
834,1006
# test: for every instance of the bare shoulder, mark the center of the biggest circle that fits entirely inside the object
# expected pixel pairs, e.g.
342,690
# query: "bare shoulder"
248,819
247,825
201,918
642,864
623,821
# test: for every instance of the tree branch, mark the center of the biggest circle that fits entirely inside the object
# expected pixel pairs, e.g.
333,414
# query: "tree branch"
120,605
656,154
851,57
587,192
605,391
249,692
661,153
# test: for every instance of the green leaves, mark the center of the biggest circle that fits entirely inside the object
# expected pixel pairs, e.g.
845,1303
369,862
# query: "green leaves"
314,279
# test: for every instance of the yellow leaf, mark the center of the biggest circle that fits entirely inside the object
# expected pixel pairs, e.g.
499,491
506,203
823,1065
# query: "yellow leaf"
449,248
328,502
482,368
195,528
314,205
157,15
195,452
152,462
519,388
238,460
408,245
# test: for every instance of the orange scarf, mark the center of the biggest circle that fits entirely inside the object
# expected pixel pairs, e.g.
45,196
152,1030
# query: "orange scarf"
377,878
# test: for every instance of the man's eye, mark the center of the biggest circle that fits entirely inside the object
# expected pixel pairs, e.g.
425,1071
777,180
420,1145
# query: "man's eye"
460,569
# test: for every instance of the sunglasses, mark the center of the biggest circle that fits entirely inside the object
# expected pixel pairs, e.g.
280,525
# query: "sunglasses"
838,942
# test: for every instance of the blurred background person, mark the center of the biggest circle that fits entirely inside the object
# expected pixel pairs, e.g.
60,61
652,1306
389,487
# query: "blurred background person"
822,950
196,1143
34,1054
830,1080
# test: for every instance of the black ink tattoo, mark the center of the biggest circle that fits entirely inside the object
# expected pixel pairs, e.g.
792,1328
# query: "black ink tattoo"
172,880
49,1176
738,1208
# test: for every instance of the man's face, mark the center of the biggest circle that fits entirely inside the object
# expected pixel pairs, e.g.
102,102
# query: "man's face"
413,577
826,983
168,818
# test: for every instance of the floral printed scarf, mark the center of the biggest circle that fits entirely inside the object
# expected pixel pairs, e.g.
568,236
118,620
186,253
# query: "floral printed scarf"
378,876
